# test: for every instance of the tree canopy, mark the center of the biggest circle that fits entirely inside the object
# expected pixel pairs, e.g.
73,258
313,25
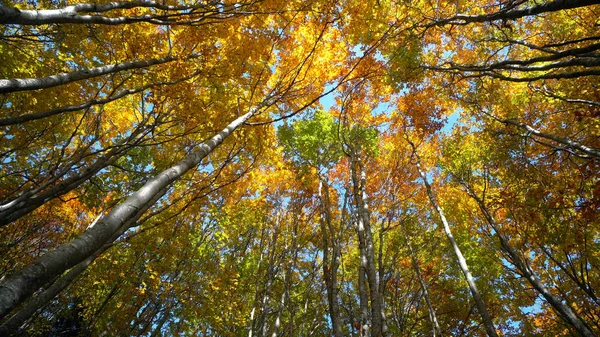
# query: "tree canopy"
300,168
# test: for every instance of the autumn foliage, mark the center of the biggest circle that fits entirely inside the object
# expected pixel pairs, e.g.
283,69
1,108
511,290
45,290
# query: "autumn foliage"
300,168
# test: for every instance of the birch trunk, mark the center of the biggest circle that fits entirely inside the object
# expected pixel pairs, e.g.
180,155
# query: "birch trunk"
382,283
23,84
71,14
564,311
17,287
434,322
364,227
481,307
330,264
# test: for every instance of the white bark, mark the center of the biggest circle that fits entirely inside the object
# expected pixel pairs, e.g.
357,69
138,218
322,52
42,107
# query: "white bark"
22,84
434,322
481,307
71,14
366,246
22,284
590,151
564,310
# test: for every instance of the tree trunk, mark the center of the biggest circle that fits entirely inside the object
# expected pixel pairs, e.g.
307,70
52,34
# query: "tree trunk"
434,322
564,311
481,307
330,264
22,284
70,14
39,301
22,84
382,283
365,235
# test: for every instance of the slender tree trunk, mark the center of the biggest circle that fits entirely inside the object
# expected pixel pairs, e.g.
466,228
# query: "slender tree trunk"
564,311
32,199
330,264
364,226
270,278
22,84
434,322
481,307
284,294
253,320
15,322
589,151
22,284
382,283
125,92
365,321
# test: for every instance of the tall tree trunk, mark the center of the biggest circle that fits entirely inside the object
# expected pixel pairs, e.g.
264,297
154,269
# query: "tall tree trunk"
191,14
364,229
564,311
330,264
271,273
365,321
15,322
22,84
253,319
382,283
23,283
434,322
481,307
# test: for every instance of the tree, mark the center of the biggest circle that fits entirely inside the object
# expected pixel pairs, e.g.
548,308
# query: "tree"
314,147
241,168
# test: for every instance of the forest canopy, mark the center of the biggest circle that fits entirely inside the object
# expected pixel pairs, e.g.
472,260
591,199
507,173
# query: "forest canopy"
300,168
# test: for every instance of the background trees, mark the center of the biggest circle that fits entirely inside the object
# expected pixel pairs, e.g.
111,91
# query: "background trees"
145,191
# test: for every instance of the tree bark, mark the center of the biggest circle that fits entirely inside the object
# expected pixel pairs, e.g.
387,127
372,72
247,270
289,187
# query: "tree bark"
22,284
434,322
564,311
330,264
551,6
23,84
481,307
15,322
368,253
70,14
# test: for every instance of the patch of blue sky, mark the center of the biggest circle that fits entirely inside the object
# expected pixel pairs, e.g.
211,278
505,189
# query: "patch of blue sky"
451,122
534,309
